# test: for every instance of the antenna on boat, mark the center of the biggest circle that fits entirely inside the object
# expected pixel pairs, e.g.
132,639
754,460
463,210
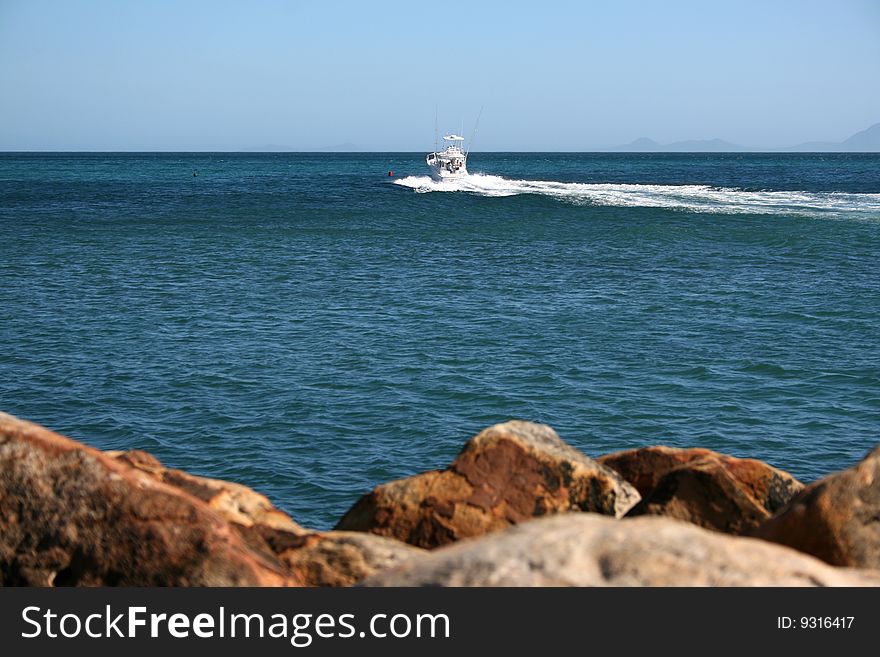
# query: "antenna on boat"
436,132
474,133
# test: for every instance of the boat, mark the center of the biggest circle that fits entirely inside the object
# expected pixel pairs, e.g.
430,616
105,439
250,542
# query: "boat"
451,162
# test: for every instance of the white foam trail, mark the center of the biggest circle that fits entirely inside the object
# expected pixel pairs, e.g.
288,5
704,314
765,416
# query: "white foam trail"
699,198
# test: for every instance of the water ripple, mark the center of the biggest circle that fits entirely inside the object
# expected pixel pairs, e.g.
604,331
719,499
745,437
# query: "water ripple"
297,324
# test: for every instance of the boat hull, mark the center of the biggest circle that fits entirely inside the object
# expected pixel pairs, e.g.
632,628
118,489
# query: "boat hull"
449,164
438,173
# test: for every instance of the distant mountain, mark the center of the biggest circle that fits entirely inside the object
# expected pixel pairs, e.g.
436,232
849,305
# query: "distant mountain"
864,141
642,144
812,147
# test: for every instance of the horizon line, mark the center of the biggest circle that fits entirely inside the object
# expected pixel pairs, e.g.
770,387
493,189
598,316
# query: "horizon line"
325,151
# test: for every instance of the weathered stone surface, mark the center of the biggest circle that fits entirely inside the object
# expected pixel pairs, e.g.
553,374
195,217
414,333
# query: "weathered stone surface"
770,487
836,519
706,488
643,467
586,549
71,515
705,493
338,558
312,558
239,504
505,475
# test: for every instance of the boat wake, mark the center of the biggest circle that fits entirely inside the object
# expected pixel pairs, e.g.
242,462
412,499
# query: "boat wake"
696,198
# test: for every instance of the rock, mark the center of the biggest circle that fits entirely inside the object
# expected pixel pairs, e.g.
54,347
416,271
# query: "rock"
505,475
313,558
645,467
72,515
338,558
706,488
705,493
82,516
239,504
836,519
586,549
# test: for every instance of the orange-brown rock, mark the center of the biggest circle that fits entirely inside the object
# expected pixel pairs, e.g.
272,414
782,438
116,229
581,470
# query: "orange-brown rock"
770,487
836,519
337,558
508,473
72,515
313,558
235,502
704,493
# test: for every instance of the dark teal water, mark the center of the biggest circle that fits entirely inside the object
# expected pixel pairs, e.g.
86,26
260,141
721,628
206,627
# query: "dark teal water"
303,324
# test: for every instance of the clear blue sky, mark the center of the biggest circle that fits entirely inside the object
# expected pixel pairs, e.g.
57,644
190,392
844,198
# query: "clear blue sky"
216,75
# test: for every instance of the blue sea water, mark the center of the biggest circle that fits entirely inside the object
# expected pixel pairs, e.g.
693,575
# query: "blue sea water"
309,326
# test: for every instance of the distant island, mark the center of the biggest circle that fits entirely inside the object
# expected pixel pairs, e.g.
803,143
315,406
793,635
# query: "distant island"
866,141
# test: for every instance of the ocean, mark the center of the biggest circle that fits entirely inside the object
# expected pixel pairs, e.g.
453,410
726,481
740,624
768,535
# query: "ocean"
310,326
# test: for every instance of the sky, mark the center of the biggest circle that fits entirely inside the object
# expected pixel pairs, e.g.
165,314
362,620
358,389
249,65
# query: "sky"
191,75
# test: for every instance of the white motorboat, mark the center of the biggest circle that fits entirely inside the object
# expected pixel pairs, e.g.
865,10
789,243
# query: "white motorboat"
451,162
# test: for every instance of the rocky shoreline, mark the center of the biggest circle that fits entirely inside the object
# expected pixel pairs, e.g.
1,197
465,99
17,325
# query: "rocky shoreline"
517,507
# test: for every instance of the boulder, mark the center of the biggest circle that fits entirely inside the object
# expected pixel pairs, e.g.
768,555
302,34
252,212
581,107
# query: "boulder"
338,558
586,549
706,488
72,515
235,502
770,487
313,558
705,493
75,515
505,475
836,519
643,467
